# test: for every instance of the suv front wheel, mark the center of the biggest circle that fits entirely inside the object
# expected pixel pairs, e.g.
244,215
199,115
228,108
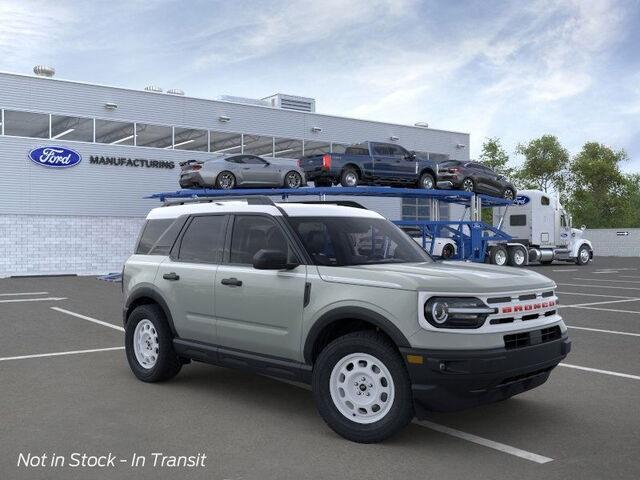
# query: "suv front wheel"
361,387
149,345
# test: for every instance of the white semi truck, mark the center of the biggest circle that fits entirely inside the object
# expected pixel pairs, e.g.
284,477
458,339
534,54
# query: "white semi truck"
541,232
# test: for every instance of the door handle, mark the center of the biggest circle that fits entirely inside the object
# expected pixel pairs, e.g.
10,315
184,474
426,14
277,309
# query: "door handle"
171,276
232,282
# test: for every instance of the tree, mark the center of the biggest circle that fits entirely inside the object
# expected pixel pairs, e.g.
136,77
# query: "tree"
495,157
601,195
545,164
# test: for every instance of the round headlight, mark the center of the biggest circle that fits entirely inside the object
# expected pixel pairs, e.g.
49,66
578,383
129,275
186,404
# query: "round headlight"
440,312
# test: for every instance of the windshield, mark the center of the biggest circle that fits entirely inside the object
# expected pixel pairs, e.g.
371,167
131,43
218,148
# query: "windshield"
346,241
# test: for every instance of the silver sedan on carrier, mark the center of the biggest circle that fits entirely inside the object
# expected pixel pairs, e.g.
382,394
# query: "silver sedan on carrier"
241,170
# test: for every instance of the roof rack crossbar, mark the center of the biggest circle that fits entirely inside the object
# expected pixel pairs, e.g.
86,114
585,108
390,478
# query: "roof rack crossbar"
250,199
341,203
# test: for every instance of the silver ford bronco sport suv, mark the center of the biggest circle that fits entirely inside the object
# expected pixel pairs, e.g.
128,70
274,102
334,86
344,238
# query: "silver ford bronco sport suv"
340,298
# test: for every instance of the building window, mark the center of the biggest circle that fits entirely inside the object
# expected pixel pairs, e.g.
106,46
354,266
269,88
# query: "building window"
156,136
114,133
316,148
190,139
226,142
257,145
419,209
287,148
26,124
71,128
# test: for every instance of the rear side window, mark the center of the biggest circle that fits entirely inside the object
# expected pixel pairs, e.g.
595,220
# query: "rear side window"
152,231
357,151
203,240
518,220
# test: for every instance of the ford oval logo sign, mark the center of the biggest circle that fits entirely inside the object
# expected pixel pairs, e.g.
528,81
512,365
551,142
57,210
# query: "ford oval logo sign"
521,200
55,157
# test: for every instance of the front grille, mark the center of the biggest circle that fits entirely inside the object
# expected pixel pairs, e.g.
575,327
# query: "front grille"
497,321
499,300
535,337
528,296
524,376
547,294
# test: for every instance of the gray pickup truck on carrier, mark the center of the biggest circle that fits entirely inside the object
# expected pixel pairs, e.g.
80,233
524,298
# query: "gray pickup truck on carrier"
371,163
338,297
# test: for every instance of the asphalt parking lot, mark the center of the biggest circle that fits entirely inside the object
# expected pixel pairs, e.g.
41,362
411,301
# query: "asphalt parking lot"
66,387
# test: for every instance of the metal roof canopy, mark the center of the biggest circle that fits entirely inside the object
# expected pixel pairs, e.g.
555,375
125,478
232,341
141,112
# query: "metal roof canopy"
449,196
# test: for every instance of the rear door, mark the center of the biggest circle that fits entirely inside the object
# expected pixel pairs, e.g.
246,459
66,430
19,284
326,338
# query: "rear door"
186,278
259,311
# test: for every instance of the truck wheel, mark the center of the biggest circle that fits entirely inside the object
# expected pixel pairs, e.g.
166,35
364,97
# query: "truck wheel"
584,255
427,182
349,177
498,255
148,344
517,256
361,387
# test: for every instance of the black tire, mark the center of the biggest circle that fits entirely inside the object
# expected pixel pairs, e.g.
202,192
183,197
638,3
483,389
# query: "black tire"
427,182
514,259
349,177
221,182
508,194
377,345
580,259
168,364
498,255
323,183
288,182
448,251
468,185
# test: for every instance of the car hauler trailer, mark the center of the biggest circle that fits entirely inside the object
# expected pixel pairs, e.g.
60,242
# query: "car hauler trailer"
473,239
538,221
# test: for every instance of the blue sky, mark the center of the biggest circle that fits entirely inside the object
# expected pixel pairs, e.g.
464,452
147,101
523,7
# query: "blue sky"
515,70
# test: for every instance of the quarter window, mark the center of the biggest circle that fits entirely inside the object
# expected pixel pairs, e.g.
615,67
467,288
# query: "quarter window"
203,240
151,233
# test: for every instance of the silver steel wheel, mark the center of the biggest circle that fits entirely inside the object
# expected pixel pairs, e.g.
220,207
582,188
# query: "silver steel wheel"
500,257
467,185
427,182
293,180
584,255
361,388
226,180
145,344
351,179
508,194
518,257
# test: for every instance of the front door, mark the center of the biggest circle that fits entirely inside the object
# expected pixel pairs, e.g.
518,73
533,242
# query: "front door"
564,230
187,278
391,163
257,171
259,311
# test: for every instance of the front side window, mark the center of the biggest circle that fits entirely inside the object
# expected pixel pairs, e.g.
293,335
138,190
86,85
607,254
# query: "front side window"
348,241
252,233
252,160
203,240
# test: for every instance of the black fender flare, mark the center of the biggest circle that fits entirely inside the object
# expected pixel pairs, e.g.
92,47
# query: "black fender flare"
351,313
151,292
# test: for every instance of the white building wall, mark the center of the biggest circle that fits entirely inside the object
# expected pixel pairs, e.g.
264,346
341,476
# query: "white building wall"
615,242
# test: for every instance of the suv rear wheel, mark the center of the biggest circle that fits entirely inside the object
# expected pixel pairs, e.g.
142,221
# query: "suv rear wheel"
361,387
149,345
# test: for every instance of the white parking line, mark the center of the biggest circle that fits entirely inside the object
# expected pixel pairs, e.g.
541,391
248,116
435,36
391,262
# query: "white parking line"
605,331
598,286
592,303
45,299
89,319
533,457
608,280
23,293
566,270
594,295
608,310
58,354
597,370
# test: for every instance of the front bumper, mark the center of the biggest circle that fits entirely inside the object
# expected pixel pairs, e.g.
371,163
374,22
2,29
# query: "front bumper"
450,380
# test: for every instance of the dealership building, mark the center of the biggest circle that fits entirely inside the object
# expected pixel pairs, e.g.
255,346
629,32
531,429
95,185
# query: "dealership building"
127,144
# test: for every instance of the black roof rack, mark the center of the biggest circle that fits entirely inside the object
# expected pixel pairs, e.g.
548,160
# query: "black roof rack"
342,203
250,199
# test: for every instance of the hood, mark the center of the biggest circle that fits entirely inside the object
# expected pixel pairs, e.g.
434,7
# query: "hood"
444,277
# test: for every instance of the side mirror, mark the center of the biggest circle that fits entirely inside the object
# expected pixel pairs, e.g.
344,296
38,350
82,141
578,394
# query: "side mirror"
410,156
583,227
272,260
